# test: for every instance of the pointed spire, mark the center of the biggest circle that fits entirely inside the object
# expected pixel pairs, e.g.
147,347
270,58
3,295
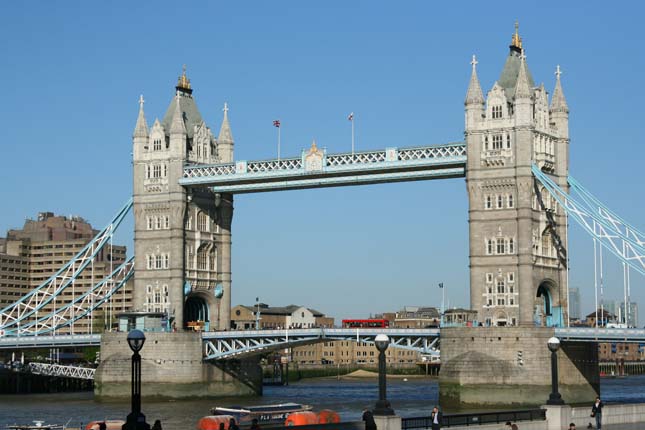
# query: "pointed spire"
522,88
516,40
558,102
225,135
141,128
474,94
177,125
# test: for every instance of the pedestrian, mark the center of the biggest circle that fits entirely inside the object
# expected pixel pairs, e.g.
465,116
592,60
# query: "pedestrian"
572,426
507,426
368,417
596,411
232,425
514,427
156,425
222,426
254,424
102,425
435,418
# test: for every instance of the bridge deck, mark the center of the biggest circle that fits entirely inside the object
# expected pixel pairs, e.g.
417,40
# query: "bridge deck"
315,169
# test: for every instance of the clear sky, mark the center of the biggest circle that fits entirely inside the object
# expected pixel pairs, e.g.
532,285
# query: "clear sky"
72,72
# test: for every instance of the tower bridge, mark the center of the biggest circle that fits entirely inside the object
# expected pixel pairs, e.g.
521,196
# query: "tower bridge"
515,160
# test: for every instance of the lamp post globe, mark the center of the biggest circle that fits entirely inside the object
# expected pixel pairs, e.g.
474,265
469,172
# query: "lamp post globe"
136,339
554,398
382,341
553,344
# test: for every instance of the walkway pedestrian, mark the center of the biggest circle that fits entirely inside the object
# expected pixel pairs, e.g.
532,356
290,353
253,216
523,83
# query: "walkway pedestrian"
254,424
435,418
368,417
232,425
572,426
596,411
156,425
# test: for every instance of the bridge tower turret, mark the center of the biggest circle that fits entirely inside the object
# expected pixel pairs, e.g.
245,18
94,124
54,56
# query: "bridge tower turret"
518,237
182,236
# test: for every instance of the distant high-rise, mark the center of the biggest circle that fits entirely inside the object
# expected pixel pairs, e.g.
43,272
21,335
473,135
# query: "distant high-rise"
630,317
29,256
574,303
610,306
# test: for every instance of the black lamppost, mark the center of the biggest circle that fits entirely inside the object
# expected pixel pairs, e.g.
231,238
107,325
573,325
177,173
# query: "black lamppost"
382,405
554,397
136,420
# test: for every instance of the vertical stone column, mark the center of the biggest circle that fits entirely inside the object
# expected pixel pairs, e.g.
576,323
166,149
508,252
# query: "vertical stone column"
226,218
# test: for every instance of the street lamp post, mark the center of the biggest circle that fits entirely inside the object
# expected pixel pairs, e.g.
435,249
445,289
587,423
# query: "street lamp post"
257,313
382,405
136,420
554,398
443,297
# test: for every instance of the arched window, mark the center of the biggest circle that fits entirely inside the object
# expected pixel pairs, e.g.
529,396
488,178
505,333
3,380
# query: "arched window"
511,246
202,222
500,246
510,200
489,247
547,244
501,287
202,258
489,202
500,201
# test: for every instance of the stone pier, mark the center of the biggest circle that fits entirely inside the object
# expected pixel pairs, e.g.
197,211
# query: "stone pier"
511,366
172,367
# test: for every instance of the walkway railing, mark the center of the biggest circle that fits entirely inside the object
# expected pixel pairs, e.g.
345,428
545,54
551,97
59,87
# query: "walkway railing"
62,371
477,419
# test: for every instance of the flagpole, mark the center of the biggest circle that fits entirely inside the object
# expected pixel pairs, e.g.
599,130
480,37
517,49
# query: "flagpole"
278,143
352,134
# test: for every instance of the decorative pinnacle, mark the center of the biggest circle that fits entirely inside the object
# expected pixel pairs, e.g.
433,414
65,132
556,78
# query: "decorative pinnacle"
474,61
183,81
142,101
225,110
558,72
516,40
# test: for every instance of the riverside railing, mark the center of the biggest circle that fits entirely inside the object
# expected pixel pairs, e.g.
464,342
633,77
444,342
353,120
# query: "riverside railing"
477,419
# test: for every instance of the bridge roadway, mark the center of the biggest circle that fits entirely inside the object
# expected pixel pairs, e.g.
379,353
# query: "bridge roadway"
219,345
315,169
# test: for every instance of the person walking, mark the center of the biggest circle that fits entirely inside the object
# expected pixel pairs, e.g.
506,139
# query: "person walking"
232,425
254,424
596,411
435,418
156,425
572,426
368,417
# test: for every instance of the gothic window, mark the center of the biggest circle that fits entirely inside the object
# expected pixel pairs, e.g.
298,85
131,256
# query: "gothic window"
489,246
150,261
156,171
500,202
212,259
147,172
157,145
189,257
157,298
511,277
500,246
547,247
497,112
500,302
490,290
486,143
511,246
202,222
489,277
150,223
510,200
158,220
202,258
166,261
489,202
511,301
508,141
497,141
501,287
490,302
511,289
158,262
148,289
166,222
165,170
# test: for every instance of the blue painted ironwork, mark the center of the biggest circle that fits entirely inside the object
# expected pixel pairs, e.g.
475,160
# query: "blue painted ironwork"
44,294
589,334
80,307
58,341
61,371
229,344
606,229
315,168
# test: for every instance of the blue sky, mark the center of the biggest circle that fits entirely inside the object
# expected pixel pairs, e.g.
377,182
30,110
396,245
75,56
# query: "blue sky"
72,73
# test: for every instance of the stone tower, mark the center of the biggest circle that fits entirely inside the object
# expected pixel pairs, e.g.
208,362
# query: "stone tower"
182,236
518,236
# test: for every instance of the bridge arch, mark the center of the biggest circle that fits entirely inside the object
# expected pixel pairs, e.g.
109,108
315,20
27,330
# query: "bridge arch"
200,308
544,303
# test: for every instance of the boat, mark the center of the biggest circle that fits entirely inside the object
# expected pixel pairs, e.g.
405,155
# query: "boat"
109,425
265,414
39,425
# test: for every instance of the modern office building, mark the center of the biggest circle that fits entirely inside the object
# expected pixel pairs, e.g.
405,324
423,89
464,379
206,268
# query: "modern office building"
574,304
631,316
31,255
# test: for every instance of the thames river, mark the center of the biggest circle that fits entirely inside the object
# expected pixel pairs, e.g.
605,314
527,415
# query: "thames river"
414,397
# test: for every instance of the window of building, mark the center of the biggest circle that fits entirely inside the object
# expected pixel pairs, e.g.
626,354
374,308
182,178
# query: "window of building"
489,202
501,287
500,202
497,141
509,200
202,222
156,171
202,259
165,170
158,220
511,276
511,246
497,112
486,143
489,277
500,302
158,262
166,261
166,222
150,261
508,141
150,226
157,145
500,246
489,246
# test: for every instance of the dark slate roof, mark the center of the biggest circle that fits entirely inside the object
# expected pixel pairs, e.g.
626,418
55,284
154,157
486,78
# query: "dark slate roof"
189,110
511,69
283,310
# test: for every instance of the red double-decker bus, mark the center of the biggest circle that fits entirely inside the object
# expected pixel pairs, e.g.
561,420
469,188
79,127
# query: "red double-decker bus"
371,323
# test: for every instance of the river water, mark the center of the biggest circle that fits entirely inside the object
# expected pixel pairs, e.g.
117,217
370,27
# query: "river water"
414,397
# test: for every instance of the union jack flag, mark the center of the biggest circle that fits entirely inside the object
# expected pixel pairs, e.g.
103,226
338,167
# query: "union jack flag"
351,117
276,123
